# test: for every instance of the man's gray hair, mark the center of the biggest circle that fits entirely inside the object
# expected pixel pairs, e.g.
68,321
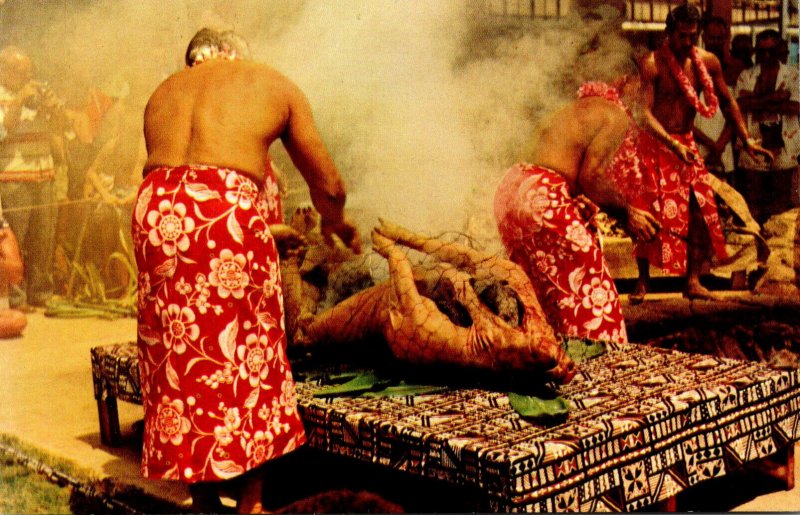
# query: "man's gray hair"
234,44
205,41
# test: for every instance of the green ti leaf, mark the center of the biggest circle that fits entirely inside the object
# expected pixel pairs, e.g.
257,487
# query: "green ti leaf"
535,407
404,389
362,383
579,349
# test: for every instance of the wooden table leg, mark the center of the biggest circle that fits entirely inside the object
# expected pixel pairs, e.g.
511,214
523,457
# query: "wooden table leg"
109,420
791,464
780,465
669,505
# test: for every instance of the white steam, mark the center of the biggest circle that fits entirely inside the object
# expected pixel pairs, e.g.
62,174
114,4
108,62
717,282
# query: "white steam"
422,104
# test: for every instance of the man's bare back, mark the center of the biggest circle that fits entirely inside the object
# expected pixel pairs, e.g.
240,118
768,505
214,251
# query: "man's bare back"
227,113
579,142
222,113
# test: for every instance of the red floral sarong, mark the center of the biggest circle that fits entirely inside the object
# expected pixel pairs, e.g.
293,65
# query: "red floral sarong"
667,182
217,388
544,231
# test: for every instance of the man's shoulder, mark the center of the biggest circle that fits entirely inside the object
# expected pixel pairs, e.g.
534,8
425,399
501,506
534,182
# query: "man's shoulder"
710,60
648,58
649,64
597,110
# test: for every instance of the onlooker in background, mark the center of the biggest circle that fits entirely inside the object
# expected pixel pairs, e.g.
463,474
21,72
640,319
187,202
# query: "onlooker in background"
768,95
12,321
714,135
86,120
717,40
29,116
742,49
112,180
783,51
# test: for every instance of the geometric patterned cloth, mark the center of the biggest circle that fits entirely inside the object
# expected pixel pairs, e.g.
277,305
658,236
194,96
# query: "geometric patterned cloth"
646,423
115,371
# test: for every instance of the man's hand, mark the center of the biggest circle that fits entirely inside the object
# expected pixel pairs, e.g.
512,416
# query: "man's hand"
686,154
642,226
586,207
345,230
287,238
753,148
29,95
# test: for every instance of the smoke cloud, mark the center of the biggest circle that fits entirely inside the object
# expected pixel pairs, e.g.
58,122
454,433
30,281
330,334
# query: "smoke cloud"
422,103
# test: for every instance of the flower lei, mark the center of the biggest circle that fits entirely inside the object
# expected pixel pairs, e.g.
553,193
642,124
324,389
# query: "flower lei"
208,53
600,89
707,111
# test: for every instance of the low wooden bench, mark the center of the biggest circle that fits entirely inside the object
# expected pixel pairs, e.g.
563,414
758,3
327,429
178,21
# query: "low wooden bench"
646,424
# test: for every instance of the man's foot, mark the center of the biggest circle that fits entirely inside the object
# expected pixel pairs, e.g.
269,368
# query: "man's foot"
252,508
637,297
699,292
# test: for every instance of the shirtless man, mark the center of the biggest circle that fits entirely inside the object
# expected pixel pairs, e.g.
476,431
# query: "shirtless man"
218,392
583,155
676,187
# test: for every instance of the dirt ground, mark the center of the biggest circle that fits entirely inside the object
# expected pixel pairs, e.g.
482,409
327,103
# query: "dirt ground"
48,402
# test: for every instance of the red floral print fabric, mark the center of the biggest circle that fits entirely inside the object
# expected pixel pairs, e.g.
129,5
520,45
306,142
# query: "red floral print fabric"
545,231
217,388
667,182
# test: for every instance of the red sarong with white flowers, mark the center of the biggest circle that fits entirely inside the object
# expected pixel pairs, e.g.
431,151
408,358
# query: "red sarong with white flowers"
217,388
545,231
667,182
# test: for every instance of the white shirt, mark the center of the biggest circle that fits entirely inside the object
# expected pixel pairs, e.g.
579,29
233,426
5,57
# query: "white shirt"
787,157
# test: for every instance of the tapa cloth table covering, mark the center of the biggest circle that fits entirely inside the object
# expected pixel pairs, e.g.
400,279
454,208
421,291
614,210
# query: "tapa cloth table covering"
646,424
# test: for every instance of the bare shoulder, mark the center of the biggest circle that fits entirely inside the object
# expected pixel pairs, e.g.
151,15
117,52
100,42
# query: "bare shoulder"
710,60
598,110
648,65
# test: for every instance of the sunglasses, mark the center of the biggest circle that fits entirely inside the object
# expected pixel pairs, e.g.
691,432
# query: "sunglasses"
766,51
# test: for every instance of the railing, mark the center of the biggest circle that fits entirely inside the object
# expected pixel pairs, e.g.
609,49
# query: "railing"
756,11
653,11
636,10
524,8
645,12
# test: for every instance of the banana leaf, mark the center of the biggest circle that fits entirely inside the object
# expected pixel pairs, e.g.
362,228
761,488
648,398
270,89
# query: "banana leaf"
580,349
535,407
362,383
404,389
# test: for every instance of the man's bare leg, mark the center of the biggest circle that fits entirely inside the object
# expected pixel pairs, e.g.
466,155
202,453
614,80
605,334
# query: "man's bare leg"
699,247
250,494
205,498
643,284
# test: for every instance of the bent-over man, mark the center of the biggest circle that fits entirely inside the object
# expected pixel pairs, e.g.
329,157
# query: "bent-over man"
584,155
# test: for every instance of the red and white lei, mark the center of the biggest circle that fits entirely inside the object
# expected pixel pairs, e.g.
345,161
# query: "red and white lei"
707,111
600,89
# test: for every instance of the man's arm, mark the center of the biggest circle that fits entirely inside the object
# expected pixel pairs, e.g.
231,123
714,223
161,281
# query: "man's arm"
783,100
729,106
13,109
308,153
598,187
